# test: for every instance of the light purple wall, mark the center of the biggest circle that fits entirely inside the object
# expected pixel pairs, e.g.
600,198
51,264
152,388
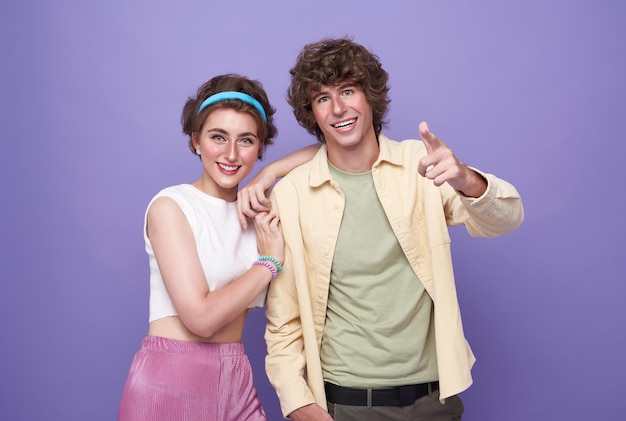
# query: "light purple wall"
91,94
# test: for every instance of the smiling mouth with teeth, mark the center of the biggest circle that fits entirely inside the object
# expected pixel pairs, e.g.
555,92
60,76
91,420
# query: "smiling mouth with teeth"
229,168
344,123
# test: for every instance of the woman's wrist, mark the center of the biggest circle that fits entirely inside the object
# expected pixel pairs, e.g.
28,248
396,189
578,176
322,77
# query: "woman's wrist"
276,263
268,265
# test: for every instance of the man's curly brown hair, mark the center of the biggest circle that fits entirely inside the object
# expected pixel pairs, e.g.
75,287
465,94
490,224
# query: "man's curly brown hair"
331,62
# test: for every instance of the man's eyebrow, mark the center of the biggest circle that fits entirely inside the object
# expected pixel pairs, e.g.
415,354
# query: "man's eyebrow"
318,94
344,85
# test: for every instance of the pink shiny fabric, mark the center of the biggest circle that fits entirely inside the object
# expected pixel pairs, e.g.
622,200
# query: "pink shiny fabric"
176,380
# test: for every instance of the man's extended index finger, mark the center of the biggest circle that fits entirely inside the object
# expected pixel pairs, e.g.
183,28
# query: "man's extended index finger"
430,140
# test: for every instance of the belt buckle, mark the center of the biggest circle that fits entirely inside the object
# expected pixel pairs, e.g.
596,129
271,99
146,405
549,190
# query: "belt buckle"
407,395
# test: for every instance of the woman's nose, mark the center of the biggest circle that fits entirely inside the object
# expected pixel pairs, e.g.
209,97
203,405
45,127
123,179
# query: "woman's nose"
231,152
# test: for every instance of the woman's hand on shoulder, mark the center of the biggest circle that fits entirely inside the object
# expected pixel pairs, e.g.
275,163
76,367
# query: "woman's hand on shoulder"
269,238
252,198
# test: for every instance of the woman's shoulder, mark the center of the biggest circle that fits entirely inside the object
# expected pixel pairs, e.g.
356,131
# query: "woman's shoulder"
177,195
175,190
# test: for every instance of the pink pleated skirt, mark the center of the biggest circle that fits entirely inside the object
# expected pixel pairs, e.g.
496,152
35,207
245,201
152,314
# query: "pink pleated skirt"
176,380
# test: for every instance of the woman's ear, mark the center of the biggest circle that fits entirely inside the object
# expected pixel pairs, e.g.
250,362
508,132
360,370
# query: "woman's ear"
194,140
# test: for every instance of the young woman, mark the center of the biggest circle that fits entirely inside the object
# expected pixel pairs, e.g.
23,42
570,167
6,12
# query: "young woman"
206,269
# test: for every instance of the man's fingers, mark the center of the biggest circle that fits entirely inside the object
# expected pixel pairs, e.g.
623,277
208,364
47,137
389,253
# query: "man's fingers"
431,141
261,202
432,165
243,208
250,201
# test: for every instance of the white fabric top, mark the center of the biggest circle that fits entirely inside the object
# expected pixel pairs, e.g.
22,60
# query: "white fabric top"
225,249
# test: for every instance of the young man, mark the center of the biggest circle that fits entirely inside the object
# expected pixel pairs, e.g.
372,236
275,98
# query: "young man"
363,321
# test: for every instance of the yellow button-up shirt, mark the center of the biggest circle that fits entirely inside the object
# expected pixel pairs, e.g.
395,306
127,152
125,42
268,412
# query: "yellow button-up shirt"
310,205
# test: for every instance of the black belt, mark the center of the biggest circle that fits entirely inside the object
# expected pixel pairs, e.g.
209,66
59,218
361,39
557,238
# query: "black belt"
396,396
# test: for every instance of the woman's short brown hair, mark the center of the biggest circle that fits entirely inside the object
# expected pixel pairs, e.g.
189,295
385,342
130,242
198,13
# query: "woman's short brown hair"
193,121
330,62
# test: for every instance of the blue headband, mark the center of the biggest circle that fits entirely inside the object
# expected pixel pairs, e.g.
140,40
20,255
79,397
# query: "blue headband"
226,95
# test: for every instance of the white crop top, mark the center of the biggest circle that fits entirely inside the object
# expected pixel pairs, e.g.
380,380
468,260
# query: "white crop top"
225,249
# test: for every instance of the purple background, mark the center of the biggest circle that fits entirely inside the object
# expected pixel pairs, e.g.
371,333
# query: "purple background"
91,95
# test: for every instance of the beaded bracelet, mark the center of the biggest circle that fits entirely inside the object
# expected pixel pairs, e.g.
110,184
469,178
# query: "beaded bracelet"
267,265
271,259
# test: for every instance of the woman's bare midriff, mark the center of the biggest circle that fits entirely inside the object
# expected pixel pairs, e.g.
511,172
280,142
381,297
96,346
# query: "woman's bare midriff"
173,328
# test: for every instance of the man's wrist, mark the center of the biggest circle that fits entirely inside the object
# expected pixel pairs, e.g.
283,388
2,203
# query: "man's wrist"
476,186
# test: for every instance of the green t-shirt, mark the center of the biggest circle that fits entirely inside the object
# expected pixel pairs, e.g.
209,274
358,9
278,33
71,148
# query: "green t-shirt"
379,330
